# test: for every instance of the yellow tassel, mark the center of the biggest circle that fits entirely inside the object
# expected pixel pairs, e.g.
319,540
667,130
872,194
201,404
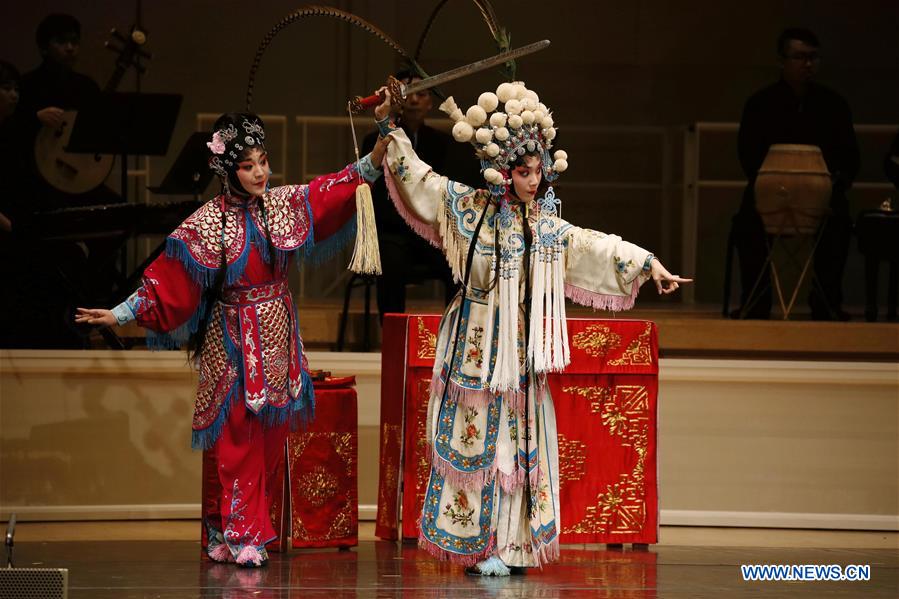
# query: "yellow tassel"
366,253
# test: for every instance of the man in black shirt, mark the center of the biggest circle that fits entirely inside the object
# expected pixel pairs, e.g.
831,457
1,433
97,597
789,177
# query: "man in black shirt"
53,87
796,110
406,257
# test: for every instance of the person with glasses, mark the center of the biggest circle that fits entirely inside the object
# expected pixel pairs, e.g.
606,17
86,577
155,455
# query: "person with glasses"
797,110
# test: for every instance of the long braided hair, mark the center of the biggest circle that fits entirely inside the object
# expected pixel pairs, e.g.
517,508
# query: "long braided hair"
232,193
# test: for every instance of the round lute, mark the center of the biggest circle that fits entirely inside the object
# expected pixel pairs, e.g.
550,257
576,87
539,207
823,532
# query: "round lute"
79,173
67,171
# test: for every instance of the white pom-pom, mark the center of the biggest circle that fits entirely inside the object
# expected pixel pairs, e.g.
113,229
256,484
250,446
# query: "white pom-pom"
538,116
498,119
513,106
560,155
493,176
520,89
547,121
501,134
492,150
462,131
532,95
529,104
457,115
505,92
488,101
542,108
560,166
449,106
476,116
515,121
527,117
483,135
549,134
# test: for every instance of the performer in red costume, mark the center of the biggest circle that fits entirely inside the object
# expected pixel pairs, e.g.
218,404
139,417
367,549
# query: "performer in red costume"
221,290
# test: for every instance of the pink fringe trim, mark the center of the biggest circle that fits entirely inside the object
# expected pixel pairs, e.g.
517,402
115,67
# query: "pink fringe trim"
464,560
600,301
514,481
470,481
546,554
476,398
220,553
249,554
422,229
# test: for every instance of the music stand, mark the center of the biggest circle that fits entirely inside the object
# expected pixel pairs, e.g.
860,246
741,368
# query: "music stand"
190,173
125,123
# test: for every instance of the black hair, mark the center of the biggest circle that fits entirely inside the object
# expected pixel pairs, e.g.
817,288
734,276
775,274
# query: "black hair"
213,293
801,34
54,26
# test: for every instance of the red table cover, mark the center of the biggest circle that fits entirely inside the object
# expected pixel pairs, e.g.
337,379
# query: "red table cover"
321,467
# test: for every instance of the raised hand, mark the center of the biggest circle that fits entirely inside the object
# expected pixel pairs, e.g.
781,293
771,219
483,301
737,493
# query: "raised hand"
383,109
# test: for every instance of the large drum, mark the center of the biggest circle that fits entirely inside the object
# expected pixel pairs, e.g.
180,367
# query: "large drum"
792,190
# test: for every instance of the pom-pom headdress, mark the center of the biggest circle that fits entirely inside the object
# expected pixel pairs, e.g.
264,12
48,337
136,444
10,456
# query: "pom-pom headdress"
503,126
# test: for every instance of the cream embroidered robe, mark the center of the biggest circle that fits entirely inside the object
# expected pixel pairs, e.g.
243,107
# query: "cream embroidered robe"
482,460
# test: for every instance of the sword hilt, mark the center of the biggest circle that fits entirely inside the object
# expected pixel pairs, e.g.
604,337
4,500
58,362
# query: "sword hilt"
397,95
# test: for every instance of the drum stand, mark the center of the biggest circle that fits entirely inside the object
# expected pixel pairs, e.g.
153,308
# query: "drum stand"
787,227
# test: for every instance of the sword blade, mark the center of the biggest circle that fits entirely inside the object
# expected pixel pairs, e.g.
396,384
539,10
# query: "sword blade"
480,65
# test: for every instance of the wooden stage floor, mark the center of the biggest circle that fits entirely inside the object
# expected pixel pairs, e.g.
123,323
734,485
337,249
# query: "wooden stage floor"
137,568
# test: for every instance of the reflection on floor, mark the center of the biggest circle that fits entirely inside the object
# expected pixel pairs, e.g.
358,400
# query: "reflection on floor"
124,569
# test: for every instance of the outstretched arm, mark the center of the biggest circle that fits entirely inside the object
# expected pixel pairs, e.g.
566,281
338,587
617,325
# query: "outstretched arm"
606,272
166,301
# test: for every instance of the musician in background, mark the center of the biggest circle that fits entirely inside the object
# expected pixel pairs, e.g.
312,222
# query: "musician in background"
47,277
52,88
796,110
405,257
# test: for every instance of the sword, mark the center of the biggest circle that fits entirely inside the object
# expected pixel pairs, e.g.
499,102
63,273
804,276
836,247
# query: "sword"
399,90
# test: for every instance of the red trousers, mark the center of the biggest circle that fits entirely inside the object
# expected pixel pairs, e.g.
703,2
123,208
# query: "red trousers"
241,467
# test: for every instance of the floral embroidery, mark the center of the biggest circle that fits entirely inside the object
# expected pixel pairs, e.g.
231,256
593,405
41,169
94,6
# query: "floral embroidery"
459,511
622,266
581,240
470,433
543,496
476,350
513,423
401,170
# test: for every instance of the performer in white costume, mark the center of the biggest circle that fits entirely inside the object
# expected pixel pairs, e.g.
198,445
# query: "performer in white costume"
492,501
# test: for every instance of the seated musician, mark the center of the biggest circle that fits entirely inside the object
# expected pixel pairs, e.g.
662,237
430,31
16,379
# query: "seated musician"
796,110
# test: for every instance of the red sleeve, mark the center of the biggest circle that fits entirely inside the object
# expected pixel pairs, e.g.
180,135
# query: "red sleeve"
332,199
168,298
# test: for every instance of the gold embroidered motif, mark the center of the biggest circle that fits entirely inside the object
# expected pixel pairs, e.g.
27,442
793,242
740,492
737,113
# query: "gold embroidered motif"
318,486
427,342
341,526
422,448
572,460
386,512
275,335
638,352
621,508
597,340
